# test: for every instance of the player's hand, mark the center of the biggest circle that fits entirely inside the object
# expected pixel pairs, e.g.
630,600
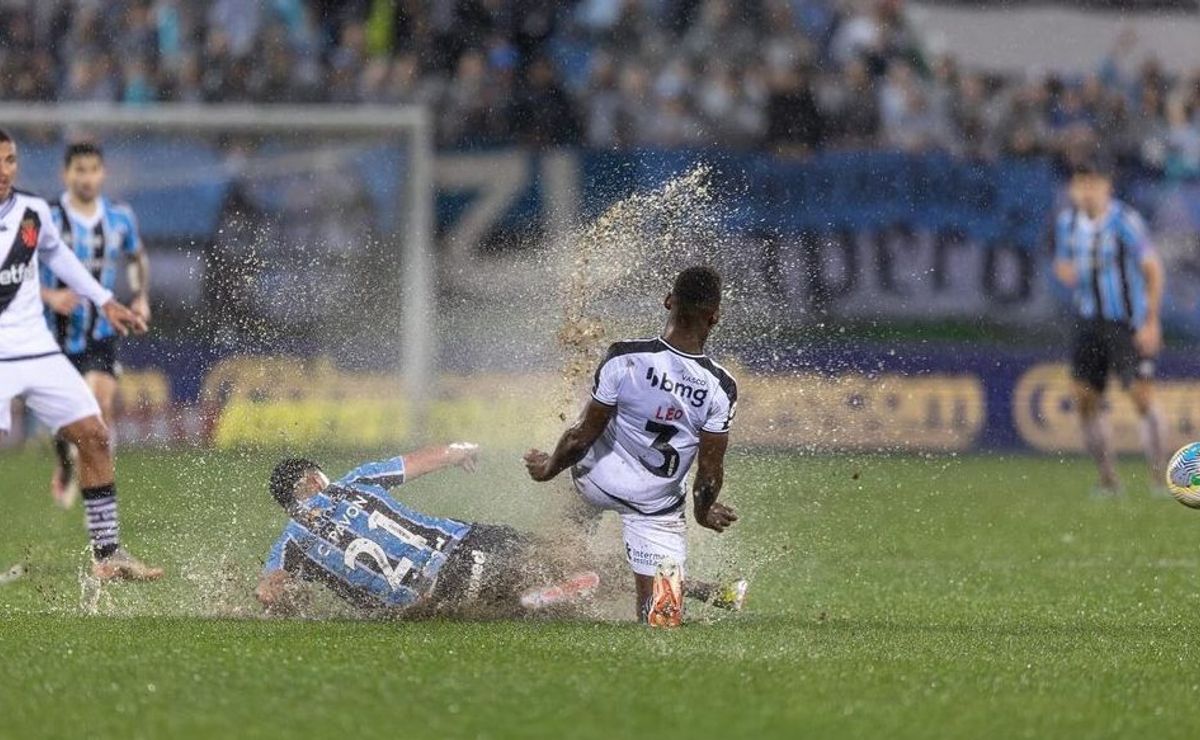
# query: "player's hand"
122,319
465,455
717,517
1148,339
271,588
61,301
280,594
538,465
141,306
1065,272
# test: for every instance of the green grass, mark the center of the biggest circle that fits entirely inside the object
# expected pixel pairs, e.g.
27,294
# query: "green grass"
899,597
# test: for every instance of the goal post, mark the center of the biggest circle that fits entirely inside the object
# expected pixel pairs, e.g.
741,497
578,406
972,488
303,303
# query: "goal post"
330,126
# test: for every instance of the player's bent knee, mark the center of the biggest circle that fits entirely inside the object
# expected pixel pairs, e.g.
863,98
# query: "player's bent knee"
90,435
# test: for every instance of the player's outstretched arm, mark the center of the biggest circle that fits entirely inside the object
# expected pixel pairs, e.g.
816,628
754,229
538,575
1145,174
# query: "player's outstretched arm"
710,477
573,445
430,459
403,468
67,267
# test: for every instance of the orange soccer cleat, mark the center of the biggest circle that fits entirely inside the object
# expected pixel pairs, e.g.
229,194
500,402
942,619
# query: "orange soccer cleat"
666,601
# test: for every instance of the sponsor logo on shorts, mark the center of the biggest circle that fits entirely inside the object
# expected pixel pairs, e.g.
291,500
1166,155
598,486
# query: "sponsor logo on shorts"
641,557
475,582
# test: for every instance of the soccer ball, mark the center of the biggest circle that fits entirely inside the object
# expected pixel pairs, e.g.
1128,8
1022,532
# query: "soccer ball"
1183,475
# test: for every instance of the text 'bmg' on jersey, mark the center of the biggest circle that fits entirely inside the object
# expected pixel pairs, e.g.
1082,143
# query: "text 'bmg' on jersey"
664,398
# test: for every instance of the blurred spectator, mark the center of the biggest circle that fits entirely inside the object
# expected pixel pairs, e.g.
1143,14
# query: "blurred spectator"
469,112
851,106
974,117
731,112
794,123
1182,140
602,107
541,114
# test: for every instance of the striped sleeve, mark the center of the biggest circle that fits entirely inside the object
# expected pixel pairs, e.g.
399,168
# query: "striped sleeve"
1132,230
132,243
1062,235
723,407
607,382
384,473
275,561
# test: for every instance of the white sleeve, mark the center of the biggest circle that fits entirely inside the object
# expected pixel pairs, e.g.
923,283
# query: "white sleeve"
721,412
66,266
608,381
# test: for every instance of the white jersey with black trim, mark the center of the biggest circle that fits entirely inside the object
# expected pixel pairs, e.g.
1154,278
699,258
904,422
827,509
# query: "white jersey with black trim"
27,233
664,398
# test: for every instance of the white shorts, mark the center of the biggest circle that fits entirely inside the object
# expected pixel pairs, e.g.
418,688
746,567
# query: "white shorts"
649,539
53,390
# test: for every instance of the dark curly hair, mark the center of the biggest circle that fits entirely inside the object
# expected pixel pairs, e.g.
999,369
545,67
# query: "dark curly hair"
286,475
698,288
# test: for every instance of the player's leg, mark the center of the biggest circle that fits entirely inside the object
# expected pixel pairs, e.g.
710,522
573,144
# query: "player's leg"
1137,377
60,399
1089,368
1151,429
98,366
104,387
656,548
64,484
12,386
496,566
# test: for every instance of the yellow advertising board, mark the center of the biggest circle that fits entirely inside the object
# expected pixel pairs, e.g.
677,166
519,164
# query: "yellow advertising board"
1044,411
861,412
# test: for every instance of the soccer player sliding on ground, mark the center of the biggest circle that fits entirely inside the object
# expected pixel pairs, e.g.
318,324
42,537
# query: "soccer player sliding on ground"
32,365
382,556
657,405
1102,253
100,232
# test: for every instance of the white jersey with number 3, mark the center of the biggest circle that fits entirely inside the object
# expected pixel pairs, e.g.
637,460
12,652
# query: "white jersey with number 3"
664,398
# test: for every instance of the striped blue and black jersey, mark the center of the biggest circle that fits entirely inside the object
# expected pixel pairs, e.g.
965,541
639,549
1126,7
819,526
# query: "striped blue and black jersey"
364,545
1108,256
99,242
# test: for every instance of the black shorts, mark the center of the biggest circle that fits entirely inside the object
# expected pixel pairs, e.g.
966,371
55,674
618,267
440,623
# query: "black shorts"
1103,346
490,569
98,356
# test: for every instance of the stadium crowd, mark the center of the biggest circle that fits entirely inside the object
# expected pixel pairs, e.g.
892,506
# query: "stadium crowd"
793,76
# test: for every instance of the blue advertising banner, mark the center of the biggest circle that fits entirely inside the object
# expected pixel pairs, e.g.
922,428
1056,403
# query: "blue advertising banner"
854,235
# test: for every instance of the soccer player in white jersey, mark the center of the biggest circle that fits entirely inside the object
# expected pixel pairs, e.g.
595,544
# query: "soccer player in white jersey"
657,405
33,367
